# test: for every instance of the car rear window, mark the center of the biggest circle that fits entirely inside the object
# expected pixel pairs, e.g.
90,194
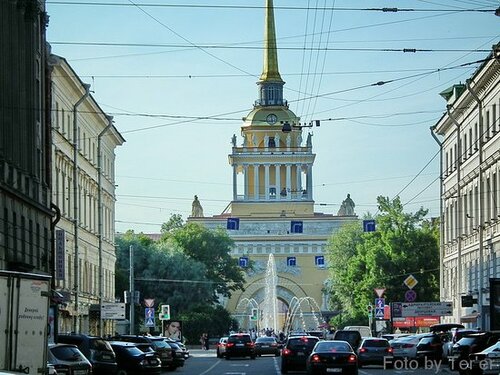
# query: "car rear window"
67,353
265,339
101,345
160,344
239,339
333,347
302,343
347,336
376,343
467,340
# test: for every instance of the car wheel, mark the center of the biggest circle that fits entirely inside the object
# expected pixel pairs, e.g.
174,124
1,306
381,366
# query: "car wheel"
122,372
227,357
284,369
277,354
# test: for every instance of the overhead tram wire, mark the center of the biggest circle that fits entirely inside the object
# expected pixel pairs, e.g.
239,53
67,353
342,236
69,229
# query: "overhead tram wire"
259,7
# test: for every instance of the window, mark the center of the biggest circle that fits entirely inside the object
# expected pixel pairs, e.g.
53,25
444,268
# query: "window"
291,261
319,261
233,223
243,262
297,227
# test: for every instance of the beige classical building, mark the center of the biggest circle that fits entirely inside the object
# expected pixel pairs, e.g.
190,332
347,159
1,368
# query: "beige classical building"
470,193
272,209
83,164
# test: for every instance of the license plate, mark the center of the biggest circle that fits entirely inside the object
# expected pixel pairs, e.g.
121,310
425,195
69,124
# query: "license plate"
265,346
300,353
80,372
333,370
240,345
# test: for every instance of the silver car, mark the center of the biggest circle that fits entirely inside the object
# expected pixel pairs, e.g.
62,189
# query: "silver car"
221,347
68,359
406,347
487,361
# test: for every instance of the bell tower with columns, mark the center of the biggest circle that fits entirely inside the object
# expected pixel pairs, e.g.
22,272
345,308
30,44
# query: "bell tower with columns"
272,168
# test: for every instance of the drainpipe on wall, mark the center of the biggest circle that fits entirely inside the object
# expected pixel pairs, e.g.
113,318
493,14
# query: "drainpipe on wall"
441,218
99,218
458,221
480,199
76,208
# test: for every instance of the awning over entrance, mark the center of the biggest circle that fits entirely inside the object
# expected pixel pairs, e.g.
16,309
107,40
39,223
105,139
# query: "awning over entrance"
469,318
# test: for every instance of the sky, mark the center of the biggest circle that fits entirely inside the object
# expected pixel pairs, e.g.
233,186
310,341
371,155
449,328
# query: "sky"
179,75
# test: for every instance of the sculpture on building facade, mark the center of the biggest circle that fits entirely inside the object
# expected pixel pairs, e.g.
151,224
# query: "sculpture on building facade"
309,140
233,140
347,207
266,141
196,210
299,139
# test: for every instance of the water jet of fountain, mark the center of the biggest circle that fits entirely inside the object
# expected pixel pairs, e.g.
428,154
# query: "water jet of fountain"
270,305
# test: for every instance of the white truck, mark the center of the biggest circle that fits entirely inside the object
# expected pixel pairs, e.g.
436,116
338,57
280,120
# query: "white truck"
24,309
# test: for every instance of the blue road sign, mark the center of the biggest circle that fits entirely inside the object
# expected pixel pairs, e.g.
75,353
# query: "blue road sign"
379,313
368,225
243,262
410,296
379,303
149,317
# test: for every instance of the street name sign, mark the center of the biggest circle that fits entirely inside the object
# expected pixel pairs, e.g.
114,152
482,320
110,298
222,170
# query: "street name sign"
113,311
409,309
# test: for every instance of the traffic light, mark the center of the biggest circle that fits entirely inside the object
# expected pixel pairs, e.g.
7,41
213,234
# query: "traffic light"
255,314
369,309
165,312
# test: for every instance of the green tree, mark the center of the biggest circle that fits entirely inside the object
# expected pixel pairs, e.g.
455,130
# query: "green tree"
403,244
212,248
175,222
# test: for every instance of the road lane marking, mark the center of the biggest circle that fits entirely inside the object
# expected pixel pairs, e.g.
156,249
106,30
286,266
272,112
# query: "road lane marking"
210,368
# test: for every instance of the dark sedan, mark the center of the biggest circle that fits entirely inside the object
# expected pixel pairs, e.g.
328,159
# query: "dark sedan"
332,356
132,360
267,345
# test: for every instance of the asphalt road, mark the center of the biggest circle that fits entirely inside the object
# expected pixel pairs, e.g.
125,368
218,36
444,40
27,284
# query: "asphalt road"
206,363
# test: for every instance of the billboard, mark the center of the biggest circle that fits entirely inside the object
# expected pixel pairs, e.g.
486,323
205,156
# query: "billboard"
494,304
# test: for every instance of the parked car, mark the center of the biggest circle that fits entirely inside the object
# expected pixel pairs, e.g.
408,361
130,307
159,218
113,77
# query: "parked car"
68,359
96,350
267,345
351,336
486,361
131,360
471,343
296,351
178,355
375,351
240,345
162,349
331,356
406,347
221,347
456,335
184,348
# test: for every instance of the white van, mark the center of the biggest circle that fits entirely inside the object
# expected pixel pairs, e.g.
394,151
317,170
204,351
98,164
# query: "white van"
365,331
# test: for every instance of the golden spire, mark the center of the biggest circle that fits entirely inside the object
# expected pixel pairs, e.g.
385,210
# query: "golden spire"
270,71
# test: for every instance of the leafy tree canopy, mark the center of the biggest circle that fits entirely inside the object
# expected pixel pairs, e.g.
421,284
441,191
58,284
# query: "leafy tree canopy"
212,248
403,244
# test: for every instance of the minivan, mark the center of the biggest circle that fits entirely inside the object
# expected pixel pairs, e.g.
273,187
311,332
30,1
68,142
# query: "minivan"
365,331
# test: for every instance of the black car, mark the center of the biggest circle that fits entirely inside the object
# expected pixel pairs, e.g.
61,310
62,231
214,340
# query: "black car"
296,351
267,345
95,349
178,354
375,351
240,345
471,343
132,360
352,337
68,359
431,347
163,350
331,356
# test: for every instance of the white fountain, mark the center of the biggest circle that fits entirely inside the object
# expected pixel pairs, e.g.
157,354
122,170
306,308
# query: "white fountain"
270,304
